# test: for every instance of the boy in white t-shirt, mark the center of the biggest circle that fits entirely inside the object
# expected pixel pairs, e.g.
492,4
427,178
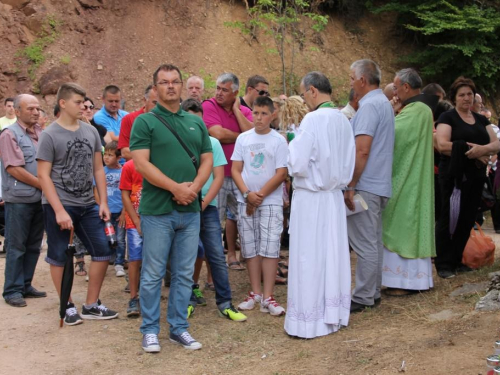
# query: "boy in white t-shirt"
259,169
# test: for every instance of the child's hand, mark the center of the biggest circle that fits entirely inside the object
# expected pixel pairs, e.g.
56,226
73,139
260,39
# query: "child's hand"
104,213
255,199
121,220
137,224
250,209
64,220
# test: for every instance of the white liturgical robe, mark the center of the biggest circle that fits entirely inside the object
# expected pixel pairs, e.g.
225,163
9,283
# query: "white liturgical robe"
321,162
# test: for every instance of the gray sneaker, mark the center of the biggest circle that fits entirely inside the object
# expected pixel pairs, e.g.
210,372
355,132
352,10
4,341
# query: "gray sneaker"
72,318
133,309
100,312
150,343
185,340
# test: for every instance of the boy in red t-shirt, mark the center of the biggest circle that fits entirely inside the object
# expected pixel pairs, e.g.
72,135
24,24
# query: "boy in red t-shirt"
131,187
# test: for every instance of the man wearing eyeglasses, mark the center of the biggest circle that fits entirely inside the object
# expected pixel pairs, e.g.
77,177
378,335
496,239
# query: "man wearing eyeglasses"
256,86
169,209
225,119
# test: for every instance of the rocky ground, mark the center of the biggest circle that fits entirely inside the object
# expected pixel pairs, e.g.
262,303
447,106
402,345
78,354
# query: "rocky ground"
434,333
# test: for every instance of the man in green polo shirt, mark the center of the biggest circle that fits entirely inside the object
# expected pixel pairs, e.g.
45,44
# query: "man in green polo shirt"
169,208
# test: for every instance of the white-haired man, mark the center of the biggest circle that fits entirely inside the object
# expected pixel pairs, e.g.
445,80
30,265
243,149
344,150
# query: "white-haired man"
225,119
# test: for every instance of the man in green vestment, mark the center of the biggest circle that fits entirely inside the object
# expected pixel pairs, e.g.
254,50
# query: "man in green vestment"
408,219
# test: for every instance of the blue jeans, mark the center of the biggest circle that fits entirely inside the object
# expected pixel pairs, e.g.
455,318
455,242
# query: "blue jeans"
175,236
210,236
23,239
120,239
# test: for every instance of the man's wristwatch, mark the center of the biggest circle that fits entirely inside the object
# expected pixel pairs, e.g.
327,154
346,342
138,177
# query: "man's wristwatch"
245,194
349,188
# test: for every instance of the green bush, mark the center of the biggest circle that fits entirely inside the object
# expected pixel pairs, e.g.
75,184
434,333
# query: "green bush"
453,38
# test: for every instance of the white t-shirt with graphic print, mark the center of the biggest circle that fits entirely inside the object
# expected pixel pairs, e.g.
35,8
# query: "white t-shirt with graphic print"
261,155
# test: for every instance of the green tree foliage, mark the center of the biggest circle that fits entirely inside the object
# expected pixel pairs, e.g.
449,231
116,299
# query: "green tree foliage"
457,38
284,22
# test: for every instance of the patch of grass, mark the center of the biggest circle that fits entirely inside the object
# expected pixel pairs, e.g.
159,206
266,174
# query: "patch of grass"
36,88
303,354
66,59
33,54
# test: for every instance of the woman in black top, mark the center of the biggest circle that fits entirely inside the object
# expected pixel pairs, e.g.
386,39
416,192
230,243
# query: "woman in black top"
472,141
89,115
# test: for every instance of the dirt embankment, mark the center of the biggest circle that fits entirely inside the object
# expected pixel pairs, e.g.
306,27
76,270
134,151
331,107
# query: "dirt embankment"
101,42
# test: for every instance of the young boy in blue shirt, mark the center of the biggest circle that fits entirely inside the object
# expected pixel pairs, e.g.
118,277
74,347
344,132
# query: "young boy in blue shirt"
113,172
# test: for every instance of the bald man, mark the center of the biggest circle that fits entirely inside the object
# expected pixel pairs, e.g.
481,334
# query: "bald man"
195,87
23,207
389,91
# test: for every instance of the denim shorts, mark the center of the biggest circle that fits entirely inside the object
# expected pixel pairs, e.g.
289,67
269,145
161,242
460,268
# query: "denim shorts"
230,216
134,245
88,227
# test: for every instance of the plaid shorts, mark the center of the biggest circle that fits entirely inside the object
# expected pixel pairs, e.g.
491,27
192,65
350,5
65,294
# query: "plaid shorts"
226,200
260,233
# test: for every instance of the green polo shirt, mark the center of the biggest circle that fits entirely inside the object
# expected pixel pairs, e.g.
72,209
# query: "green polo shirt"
167,154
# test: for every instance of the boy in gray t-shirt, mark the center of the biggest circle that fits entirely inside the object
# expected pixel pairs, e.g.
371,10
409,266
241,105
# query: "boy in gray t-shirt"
69,158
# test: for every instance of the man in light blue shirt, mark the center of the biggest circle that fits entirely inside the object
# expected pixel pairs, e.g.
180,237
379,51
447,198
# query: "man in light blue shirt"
110,115
373,127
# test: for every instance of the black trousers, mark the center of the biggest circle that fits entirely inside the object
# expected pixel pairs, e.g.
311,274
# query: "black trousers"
450,248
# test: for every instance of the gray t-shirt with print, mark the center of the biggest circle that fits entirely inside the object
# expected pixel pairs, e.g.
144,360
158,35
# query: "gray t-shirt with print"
72,156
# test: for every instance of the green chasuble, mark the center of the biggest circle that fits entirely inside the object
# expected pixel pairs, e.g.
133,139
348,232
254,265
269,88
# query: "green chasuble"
408,218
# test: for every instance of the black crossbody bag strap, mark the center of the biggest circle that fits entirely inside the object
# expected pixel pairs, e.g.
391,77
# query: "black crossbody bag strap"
190,154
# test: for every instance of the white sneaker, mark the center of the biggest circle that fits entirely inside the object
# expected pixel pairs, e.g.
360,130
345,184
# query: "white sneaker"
250,301
269,305
120,272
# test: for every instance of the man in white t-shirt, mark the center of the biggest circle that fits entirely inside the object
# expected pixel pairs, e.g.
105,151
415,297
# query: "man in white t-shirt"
259,169
10,114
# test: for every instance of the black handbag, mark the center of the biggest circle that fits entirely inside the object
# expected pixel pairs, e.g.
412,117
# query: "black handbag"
487,197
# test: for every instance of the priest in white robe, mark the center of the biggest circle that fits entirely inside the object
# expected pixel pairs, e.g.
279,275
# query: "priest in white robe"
321,162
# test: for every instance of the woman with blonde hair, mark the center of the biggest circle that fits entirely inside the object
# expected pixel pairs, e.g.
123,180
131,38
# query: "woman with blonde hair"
292,112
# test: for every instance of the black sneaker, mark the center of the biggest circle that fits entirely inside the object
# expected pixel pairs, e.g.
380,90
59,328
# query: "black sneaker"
99,312
197,296
133,309
463,268
185,340
358,307
446,274
72,317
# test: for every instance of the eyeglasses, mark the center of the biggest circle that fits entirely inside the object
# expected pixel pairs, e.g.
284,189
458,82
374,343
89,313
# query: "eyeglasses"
166,83
302,95
87,107
261,92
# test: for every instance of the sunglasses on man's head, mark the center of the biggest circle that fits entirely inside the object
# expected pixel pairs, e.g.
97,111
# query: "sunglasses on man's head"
88,106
